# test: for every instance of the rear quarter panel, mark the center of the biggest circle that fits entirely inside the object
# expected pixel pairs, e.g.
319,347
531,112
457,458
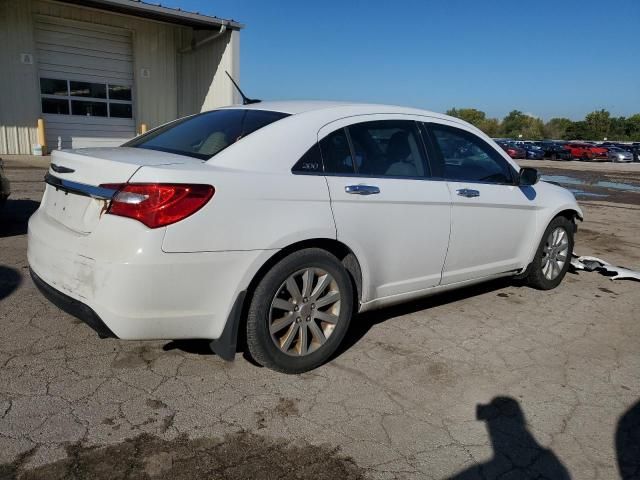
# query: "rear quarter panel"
250,210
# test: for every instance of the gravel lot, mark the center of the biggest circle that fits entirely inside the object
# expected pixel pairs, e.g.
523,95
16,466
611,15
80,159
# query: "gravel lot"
492,381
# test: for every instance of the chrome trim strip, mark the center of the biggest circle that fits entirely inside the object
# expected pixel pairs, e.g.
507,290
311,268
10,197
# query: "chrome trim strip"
79,188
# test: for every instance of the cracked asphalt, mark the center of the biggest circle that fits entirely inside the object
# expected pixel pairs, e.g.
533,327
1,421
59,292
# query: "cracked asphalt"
494,381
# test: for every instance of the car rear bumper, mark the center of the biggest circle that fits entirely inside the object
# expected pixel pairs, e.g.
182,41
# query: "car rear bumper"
118,279
72,307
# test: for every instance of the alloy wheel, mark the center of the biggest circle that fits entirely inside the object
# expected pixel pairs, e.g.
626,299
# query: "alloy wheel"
555,253
304,312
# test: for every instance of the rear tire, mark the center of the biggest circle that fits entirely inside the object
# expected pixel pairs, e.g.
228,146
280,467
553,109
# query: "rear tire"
553,256
286,330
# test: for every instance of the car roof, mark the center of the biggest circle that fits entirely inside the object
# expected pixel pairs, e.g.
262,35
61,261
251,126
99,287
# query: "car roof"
294,107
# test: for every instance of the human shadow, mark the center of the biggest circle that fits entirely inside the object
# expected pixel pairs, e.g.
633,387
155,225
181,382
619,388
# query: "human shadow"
628,443
10,280
14,217
516,453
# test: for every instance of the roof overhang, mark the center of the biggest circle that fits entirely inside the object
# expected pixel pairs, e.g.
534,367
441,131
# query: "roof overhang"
138,8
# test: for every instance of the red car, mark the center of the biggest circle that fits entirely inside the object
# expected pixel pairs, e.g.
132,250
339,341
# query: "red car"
599,152
583,151
512,150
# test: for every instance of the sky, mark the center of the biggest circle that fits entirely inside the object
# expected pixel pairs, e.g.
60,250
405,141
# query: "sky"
561,58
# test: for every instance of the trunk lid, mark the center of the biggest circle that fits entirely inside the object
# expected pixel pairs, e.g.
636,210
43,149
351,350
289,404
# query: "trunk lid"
93,167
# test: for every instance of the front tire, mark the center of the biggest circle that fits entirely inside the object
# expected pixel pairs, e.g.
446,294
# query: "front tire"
300,312
553,256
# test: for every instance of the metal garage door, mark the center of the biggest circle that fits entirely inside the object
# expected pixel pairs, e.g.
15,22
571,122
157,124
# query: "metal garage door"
86,79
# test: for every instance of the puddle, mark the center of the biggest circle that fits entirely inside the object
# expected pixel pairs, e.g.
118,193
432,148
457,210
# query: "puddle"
582,193
618,186
571,183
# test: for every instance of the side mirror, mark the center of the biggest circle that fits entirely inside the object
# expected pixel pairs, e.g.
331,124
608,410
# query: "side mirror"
528,176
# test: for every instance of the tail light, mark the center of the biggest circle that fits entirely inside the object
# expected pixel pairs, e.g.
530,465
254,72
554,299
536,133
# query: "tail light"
158,204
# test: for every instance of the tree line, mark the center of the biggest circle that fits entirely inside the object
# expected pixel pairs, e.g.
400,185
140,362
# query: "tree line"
596,125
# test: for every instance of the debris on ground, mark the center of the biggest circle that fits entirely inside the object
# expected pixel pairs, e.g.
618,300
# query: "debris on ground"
594,264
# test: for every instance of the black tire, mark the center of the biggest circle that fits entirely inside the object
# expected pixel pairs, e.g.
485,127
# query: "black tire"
535,277
262,347
554,156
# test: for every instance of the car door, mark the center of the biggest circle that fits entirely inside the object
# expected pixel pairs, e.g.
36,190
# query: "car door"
492,218
386,208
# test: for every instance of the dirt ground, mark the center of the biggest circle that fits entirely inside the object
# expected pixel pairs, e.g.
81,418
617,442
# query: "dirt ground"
494,381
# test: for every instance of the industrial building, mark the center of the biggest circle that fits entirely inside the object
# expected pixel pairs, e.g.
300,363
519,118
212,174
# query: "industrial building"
97,71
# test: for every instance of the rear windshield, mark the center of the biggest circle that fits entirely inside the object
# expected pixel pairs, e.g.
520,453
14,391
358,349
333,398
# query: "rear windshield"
206,134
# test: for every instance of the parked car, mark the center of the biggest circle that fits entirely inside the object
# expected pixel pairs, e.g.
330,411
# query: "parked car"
513,150
5,186
283,220
533,152
633,149
581,151
599,152
616,154
556,151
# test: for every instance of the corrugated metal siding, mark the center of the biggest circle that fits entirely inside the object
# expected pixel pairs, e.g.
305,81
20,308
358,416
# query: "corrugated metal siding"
197,91
19,100
84,51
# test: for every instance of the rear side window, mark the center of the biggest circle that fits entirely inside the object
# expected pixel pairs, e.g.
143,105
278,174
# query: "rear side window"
385,148
310,162
203,136
336,154
466,157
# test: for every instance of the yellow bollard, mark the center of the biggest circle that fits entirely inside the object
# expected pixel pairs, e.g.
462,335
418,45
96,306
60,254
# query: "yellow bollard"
42,139
143,128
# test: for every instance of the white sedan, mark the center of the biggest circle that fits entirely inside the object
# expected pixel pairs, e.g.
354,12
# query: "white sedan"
285,219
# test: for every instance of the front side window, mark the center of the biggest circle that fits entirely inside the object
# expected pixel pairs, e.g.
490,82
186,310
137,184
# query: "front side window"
204,135
467,158
91,99
384,148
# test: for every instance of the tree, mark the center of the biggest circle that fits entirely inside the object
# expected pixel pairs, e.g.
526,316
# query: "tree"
518,123
598,124
578,131
513,124
471,115
490,126
632,127
556,128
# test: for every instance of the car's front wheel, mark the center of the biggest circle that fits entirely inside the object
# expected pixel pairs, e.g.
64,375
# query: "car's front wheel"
553,256
300,312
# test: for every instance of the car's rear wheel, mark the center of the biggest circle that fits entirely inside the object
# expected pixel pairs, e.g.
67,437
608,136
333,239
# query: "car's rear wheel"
553,256
300,312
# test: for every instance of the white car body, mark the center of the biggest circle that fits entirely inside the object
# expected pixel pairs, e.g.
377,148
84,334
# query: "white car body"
415,238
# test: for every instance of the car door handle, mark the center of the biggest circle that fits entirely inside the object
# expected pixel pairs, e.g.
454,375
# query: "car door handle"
467,192
362,189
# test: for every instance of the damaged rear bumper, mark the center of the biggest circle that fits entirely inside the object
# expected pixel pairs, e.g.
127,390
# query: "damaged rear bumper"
73,307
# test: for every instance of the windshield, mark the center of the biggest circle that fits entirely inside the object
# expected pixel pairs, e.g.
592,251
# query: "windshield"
206,134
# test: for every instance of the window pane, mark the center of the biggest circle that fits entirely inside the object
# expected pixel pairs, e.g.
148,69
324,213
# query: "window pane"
310,162
119,92
86,89
120,110
204,135
388,148
469,158
50,86
336,154
58,106
90,109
